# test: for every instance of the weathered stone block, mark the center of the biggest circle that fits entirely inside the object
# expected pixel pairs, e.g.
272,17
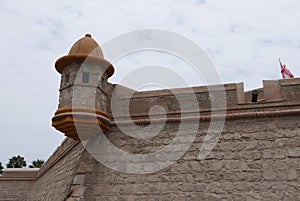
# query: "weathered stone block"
269,175
294,153
79,179
84,168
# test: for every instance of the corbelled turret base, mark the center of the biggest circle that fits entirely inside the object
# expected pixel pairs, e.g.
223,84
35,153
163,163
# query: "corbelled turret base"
80,124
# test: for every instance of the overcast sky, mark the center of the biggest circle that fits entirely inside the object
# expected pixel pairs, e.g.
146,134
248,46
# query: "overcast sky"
243,38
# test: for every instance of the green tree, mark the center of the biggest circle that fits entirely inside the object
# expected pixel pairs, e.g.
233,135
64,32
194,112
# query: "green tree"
1,167
37,163
16,162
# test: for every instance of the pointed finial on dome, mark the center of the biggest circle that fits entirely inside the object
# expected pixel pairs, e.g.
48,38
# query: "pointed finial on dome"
88,35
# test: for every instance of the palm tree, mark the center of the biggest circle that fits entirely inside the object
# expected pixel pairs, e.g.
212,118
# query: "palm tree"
16,162
1,167
37,163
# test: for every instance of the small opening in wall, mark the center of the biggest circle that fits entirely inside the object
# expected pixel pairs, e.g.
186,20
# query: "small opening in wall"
85,77
254,96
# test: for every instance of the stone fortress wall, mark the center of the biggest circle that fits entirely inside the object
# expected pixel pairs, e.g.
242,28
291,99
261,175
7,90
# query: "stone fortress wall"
257,156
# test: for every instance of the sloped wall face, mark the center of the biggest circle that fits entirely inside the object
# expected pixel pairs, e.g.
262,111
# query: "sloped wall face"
17,190
55,183
255,159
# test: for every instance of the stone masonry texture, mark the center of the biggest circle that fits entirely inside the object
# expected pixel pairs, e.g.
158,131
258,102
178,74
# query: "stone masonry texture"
54,184
15,189
257,159
257,156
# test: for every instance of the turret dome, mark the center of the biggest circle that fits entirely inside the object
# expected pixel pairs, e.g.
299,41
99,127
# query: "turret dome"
85,48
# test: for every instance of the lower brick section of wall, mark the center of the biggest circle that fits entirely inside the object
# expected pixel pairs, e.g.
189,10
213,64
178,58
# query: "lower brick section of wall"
17,190
255,159
54,184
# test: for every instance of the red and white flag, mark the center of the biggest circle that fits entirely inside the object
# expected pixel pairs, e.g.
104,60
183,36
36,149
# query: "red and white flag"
286,73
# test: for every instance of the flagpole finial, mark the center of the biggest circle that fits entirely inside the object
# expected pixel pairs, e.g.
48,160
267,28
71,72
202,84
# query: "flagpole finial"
286,73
